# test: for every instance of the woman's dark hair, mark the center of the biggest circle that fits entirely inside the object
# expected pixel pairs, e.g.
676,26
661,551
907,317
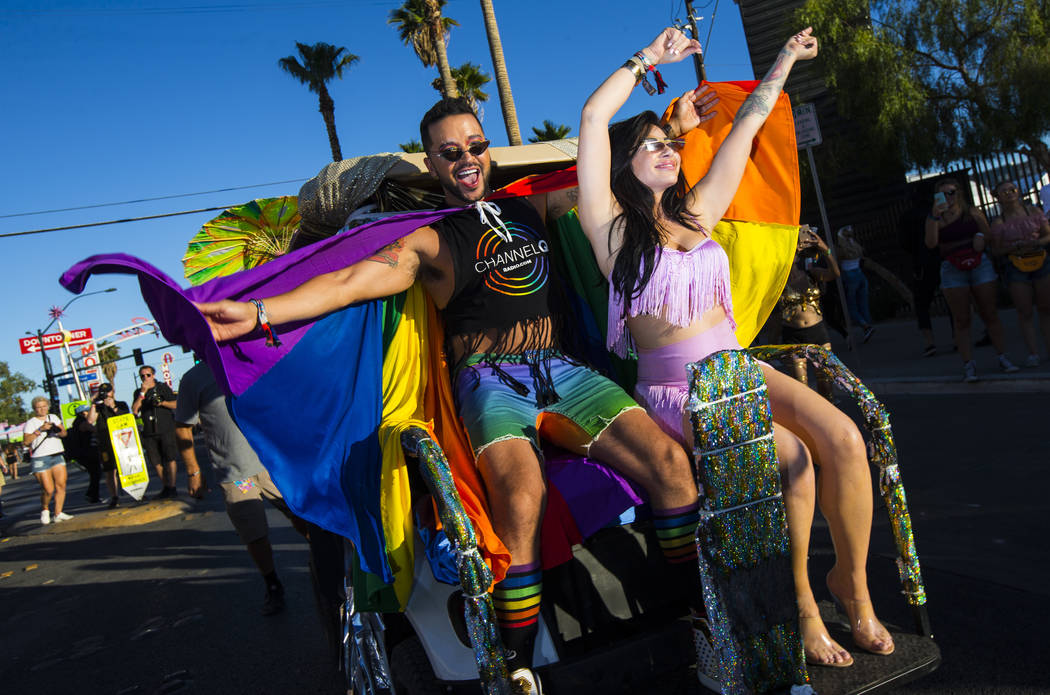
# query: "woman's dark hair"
642,235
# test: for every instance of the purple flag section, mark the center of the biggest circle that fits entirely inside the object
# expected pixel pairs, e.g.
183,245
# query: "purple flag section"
238,364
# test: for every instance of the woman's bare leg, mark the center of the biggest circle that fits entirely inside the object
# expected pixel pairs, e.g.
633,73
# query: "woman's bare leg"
844,492
984,295
798,485
47,488
958,299
58,474
1023,297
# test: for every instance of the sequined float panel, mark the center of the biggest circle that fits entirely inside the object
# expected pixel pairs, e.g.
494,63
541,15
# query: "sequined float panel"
742,541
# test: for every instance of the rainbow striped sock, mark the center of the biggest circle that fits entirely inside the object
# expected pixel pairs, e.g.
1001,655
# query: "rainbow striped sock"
517,605
676,531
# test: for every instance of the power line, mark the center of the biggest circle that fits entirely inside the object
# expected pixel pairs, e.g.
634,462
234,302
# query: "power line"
99,224
147,200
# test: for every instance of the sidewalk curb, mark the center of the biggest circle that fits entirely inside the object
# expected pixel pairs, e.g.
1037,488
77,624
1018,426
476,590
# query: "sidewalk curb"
128,514
998,384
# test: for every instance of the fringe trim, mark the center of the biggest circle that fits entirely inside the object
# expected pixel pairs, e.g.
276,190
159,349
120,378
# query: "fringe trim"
683,287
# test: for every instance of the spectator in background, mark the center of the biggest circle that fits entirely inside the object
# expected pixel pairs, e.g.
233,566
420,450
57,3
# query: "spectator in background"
13,459
801,316
43,435
103,407
1021,234
154,403
959,232
83,444
854,282
3,481
244,481
926,264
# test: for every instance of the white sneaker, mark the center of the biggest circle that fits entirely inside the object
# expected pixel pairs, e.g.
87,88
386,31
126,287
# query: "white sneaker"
1032,361
708,666
970,371
45,516
1006,365
62,516
524,681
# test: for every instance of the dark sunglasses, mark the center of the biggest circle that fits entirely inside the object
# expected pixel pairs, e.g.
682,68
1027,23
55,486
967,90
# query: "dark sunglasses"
654,145
454,153
145,375
1011,189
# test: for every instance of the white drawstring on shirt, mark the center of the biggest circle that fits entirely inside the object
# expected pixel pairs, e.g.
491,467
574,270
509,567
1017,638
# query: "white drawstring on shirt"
485,208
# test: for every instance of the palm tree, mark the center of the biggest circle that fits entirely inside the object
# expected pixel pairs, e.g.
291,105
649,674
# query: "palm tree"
320,63
551,131
469,81
421,26
107,357
411,146
506,98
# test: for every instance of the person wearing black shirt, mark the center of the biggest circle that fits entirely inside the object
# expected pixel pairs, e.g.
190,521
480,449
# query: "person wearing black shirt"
155,404
103,407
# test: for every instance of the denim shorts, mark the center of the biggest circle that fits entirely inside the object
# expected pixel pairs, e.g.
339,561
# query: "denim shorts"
953,277
517,396
1014,275
46,463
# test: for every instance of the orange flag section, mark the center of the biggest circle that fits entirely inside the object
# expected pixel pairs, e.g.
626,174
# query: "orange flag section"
769,191
760,229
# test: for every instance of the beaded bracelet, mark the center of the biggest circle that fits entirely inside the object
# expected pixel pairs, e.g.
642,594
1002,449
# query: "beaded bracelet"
264,322
661,86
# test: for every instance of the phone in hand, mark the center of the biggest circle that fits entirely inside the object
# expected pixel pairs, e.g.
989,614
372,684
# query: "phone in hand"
939,199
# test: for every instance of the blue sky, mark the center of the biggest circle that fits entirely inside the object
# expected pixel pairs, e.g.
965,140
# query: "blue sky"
114,100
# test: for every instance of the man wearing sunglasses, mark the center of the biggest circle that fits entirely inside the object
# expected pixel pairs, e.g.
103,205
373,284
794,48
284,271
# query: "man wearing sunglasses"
155,404
488,270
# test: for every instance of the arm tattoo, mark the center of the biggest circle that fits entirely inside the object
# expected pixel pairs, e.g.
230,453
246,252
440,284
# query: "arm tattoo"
762,100
389,253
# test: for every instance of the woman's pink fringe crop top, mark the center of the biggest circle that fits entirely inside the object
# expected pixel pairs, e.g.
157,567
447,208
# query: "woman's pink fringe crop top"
684,286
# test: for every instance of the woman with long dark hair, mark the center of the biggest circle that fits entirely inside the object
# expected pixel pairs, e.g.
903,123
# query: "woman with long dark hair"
959,231
670,303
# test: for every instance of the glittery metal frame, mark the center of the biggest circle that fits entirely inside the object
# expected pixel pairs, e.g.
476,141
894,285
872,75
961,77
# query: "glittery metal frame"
882,453
742,541
475,577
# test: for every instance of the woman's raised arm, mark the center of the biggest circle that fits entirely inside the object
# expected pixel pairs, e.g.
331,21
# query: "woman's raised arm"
596,206
710,198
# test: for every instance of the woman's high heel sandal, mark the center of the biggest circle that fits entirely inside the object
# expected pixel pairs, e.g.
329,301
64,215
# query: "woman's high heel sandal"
865,630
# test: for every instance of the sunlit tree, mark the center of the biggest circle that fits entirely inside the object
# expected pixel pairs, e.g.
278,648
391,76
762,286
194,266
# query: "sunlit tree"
320,64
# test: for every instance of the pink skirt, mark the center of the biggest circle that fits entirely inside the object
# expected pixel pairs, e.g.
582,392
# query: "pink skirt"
663,386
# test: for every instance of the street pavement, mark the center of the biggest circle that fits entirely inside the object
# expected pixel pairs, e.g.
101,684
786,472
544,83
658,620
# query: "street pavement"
161,597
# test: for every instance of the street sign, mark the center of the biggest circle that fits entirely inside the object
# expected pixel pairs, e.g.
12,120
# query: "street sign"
68,380
52,341
807,129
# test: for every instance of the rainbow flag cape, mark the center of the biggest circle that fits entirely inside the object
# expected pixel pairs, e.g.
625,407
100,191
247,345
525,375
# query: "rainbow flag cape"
326,409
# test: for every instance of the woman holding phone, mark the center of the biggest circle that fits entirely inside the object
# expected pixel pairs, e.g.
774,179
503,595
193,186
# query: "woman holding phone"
670,303
960,233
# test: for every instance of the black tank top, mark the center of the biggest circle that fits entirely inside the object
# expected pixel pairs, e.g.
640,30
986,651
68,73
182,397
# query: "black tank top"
502,272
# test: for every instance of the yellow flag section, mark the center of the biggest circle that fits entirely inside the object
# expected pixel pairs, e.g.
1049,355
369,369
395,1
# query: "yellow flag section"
760,229
417,392
760,255
131,464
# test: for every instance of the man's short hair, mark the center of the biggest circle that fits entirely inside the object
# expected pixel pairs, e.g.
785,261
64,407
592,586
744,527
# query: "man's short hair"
146,366
448,106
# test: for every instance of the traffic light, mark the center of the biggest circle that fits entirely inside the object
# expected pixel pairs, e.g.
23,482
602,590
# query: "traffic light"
139,361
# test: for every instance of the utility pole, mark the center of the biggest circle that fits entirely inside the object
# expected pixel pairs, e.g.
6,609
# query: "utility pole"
49,380
698,58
